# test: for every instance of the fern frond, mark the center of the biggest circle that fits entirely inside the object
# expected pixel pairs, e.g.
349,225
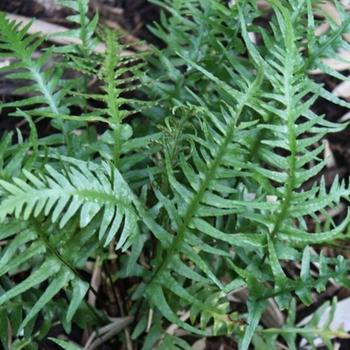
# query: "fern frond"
86,28
210,161
118,76
221,192
199,31
272,161
312,331
81,190
14,41
29,244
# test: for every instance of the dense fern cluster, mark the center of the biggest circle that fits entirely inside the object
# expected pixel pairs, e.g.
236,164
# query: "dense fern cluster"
205,200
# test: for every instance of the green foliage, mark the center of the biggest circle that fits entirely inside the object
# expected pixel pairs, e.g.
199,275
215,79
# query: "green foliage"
85,30
78,190
65,345
210,196
16,42
309,331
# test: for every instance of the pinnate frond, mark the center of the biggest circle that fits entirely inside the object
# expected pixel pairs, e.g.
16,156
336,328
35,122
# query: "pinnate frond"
79,191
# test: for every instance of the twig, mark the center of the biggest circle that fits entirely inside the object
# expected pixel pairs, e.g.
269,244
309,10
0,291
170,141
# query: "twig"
95,281
119,302
95,284
105,333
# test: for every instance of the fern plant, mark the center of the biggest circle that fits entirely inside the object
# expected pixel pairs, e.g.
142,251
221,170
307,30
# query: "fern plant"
207,199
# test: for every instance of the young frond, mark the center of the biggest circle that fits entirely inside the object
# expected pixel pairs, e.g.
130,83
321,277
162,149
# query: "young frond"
118,75
85,31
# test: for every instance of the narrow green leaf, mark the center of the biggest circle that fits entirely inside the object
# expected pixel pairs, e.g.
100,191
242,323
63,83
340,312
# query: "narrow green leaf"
275,265
54,287
80,288
4,329
65,345
46,270
246,240
296,236
255,310
156,295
